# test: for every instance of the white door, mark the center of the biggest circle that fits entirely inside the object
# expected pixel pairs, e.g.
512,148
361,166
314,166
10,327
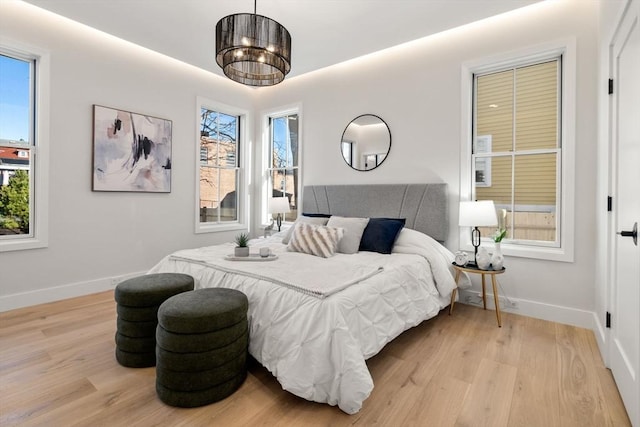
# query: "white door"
625,298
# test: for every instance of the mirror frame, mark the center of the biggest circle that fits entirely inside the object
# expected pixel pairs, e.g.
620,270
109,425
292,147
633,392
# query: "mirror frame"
342,141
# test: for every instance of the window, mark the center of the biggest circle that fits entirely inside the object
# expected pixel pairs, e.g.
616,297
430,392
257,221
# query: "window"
283,170
23,158
220,174
520,147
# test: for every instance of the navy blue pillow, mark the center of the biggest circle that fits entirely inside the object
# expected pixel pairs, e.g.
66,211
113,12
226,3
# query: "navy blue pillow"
316,215
381,234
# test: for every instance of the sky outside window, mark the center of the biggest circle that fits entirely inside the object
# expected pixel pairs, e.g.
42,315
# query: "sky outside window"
14,99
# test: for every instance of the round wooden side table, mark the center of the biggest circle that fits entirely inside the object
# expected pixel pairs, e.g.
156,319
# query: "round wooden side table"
475,270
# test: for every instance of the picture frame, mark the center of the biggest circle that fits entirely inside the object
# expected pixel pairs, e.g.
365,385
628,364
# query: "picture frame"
131,151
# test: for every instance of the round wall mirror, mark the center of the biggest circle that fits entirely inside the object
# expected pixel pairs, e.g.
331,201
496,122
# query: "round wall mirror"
366,142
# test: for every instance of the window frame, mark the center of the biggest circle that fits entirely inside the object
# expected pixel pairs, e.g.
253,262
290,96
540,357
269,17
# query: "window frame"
564,250
38,236
242,222
266,167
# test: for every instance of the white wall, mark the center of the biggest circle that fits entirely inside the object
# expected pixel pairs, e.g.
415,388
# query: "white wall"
415,88
95,236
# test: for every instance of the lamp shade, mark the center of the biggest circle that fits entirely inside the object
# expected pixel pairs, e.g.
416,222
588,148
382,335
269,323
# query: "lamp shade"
478,214
279,205
252,49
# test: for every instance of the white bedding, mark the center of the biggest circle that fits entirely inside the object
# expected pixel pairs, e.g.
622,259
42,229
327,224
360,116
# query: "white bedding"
317,345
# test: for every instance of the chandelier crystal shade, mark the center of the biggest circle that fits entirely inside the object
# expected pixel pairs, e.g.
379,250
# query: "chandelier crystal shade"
252,49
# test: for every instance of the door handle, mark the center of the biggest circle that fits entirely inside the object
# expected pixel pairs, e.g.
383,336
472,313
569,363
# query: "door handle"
633,233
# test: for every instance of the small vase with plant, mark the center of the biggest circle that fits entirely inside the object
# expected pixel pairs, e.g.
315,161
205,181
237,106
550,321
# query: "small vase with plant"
497,259
242,245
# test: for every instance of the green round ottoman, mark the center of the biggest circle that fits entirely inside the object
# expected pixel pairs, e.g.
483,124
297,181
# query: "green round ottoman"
138,300
201,346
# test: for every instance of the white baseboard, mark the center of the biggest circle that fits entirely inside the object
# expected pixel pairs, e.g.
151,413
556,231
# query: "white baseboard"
57,293
555,313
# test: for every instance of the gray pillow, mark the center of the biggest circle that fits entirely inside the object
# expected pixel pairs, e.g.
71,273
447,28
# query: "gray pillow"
305,220
353,229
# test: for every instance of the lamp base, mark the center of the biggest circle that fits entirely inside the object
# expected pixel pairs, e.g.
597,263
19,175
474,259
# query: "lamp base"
475,241
279,221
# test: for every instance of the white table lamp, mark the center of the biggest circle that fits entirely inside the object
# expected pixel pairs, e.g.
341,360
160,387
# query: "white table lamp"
477,214
279,206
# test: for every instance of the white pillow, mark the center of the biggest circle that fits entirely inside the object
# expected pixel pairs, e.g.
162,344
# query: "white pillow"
318,240
306,220
353,229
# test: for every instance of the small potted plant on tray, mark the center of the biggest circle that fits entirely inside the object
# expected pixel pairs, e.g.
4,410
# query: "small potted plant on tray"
242,242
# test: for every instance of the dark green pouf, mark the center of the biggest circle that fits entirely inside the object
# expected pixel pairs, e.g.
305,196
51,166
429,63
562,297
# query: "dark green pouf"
135,360
152,289
195,381
138,300
196,343
191,399
203,360
135,345
136,329
201,346
138,314
204,310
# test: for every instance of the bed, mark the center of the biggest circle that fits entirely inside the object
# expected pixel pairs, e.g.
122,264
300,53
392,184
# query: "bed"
313,321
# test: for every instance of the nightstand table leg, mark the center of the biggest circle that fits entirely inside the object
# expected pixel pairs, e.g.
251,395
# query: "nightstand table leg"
453,293
484,293
495,299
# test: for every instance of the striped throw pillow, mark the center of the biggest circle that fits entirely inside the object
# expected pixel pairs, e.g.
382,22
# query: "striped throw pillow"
318,240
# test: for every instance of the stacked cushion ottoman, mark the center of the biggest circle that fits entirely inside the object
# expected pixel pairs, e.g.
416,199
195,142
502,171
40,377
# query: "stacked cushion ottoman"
138,300
201,346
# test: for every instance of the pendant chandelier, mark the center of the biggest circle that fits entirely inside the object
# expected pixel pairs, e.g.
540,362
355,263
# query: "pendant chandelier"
252,49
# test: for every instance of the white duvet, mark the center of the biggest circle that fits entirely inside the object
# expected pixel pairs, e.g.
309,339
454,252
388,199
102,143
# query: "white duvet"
316,343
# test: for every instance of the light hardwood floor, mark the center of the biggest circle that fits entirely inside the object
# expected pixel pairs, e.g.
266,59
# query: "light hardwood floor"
57,368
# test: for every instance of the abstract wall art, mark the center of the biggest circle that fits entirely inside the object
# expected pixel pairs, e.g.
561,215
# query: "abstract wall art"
131,152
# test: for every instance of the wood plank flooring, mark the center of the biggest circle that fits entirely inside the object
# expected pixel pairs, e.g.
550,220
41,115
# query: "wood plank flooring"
57,368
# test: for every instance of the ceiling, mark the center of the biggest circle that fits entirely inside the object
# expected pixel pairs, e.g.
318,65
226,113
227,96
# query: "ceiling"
323,32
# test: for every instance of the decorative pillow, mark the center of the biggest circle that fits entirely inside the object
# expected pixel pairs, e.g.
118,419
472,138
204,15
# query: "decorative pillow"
381,234
306,220
353,229
318,240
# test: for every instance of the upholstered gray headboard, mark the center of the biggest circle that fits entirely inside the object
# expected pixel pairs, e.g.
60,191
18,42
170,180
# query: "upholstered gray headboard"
424,206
